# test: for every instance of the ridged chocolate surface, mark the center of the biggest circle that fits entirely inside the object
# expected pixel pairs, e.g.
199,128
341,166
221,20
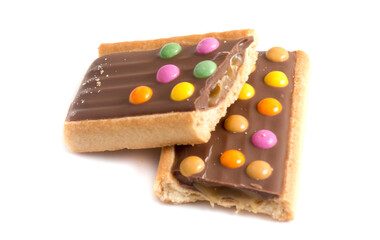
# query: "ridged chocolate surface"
221,140
104,91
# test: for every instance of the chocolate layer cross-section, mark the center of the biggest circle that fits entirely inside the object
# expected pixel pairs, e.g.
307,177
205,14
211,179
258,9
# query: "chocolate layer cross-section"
161,92
252,159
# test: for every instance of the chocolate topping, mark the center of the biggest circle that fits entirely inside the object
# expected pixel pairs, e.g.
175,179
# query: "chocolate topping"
104,92
236,180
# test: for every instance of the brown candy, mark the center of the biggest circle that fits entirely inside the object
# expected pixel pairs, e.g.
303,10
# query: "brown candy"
259,170
236,123
191,165
277,54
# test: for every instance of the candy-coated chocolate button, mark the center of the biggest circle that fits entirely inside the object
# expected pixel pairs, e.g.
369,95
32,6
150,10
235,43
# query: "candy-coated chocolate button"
140,95
264,139
236,123
269,106
167,73
259,170
204,69
207,45
169,50
246,92
232,158
182,91
276,79
191,165
277,54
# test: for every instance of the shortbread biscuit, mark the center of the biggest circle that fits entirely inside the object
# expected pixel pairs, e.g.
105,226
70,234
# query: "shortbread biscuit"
134,96
252,160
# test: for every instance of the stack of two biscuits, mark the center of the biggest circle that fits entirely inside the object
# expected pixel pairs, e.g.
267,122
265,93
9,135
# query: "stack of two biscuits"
229,118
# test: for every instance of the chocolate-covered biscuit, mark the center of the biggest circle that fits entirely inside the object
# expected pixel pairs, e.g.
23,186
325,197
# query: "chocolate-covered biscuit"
251,161
156,93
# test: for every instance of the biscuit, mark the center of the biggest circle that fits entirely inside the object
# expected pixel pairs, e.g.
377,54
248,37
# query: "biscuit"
124,102
250,164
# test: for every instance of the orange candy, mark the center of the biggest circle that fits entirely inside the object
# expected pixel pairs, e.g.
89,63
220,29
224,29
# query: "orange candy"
269,107
140,95
232,159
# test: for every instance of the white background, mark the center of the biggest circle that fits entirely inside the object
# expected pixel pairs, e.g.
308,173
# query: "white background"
47,192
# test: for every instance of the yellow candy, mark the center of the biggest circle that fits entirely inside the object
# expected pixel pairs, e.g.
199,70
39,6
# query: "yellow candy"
276,79
182,91
246,92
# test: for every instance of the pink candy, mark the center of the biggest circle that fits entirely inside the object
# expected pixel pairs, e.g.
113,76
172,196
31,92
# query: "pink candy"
264,139
167,73
207,45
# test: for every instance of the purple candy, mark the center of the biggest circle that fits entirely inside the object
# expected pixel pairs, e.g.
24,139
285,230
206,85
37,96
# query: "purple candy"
167,73
207,45
264,139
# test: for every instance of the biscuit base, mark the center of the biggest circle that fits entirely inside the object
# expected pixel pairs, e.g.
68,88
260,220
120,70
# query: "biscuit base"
168,189
158,130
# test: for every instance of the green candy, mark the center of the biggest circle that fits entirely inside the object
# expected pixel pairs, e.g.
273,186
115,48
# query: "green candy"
204,69
170,50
